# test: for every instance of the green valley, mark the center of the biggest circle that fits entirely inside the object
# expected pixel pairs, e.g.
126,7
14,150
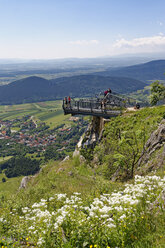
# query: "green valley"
96,202
35,133
82,124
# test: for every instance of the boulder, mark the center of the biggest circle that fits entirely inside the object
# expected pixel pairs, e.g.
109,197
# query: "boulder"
24,182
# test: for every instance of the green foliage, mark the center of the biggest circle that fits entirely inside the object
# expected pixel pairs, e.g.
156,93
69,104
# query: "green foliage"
123,218
157,92
51,153
20,165
83,223
87,153
58,140
76,161
124,139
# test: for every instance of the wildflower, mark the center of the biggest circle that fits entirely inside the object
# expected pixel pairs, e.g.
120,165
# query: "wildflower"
76,193
40,241
60,196
110,225
123,216
31,227
51,198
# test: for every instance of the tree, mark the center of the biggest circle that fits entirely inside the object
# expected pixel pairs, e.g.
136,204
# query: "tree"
122,150
157,92
20,165
129,150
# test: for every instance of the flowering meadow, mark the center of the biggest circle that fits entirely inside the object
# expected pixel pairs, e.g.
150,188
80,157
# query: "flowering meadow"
120,219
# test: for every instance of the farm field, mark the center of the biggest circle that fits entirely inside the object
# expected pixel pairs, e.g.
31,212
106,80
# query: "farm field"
49,112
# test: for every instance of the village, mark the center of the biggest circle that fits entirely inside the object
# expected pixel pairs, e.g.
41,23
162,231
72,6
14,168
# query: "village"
36,136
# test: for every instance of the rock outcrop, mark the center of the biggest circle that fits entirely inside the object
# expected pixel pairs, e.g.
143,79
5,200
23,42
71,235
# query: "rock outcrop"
24,182
94,132
154,143
65,159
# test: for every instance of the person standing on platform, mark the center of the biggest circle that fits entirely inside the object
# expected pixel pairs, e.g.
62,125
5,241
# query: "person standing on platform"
69,101
66,101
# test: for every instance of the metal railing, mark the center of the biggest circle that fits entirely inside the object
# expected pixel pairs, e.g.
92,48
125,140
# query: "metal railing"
111,105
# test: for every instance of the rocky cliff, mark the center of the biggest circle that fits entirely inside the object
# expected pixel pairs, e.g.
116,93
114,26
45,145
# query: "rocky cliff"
94,132
153,155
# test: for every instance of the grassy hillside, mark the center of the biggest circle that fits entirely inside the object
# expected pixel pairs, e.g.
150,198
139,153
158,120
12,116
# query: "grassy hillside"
75,204
82,209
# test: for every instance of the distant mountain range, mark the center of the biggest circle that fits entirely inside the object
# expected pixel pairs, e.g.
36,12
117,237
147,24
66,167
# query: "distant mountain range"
153,70
11,70
32,89
121,80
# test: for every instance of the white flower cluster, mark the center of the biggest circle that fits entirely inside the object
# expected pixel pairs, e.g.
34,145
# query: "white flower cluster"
107,211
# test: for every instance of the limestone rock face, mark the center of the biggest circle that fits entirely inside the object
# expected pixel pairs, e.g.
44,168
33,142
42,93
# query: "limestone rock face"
76,153
155,142
94,132
92,135
24,182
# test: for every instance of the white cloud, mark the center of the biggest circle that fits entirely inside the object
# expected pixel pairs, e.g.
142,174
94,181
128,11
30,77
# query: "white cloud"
84,42
153,41
160,23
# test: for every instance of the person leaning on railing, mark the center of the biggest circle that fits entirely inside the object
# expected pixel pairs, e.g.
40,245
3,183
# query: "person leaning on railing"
107,93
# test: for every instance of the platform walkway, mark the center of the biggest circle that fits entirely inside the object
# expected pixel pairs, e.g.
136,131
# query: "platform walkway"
110,106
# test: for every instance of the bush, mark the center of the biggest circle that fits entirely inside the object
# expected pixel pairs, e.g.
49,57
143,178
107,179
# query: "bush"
3,179
87,153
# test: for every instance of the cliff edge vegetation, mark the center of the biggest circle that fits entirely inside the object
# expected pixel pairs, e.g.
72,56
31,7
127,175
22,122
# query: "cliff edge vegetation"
113,198
123,149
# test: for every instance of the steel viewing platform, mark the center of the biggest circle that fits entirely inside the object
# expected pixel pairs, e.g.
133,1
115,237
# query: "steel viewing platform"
109,106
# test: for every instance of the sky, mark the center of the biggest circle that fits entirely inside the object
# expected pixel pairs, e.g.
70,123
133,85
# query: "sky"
50,29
